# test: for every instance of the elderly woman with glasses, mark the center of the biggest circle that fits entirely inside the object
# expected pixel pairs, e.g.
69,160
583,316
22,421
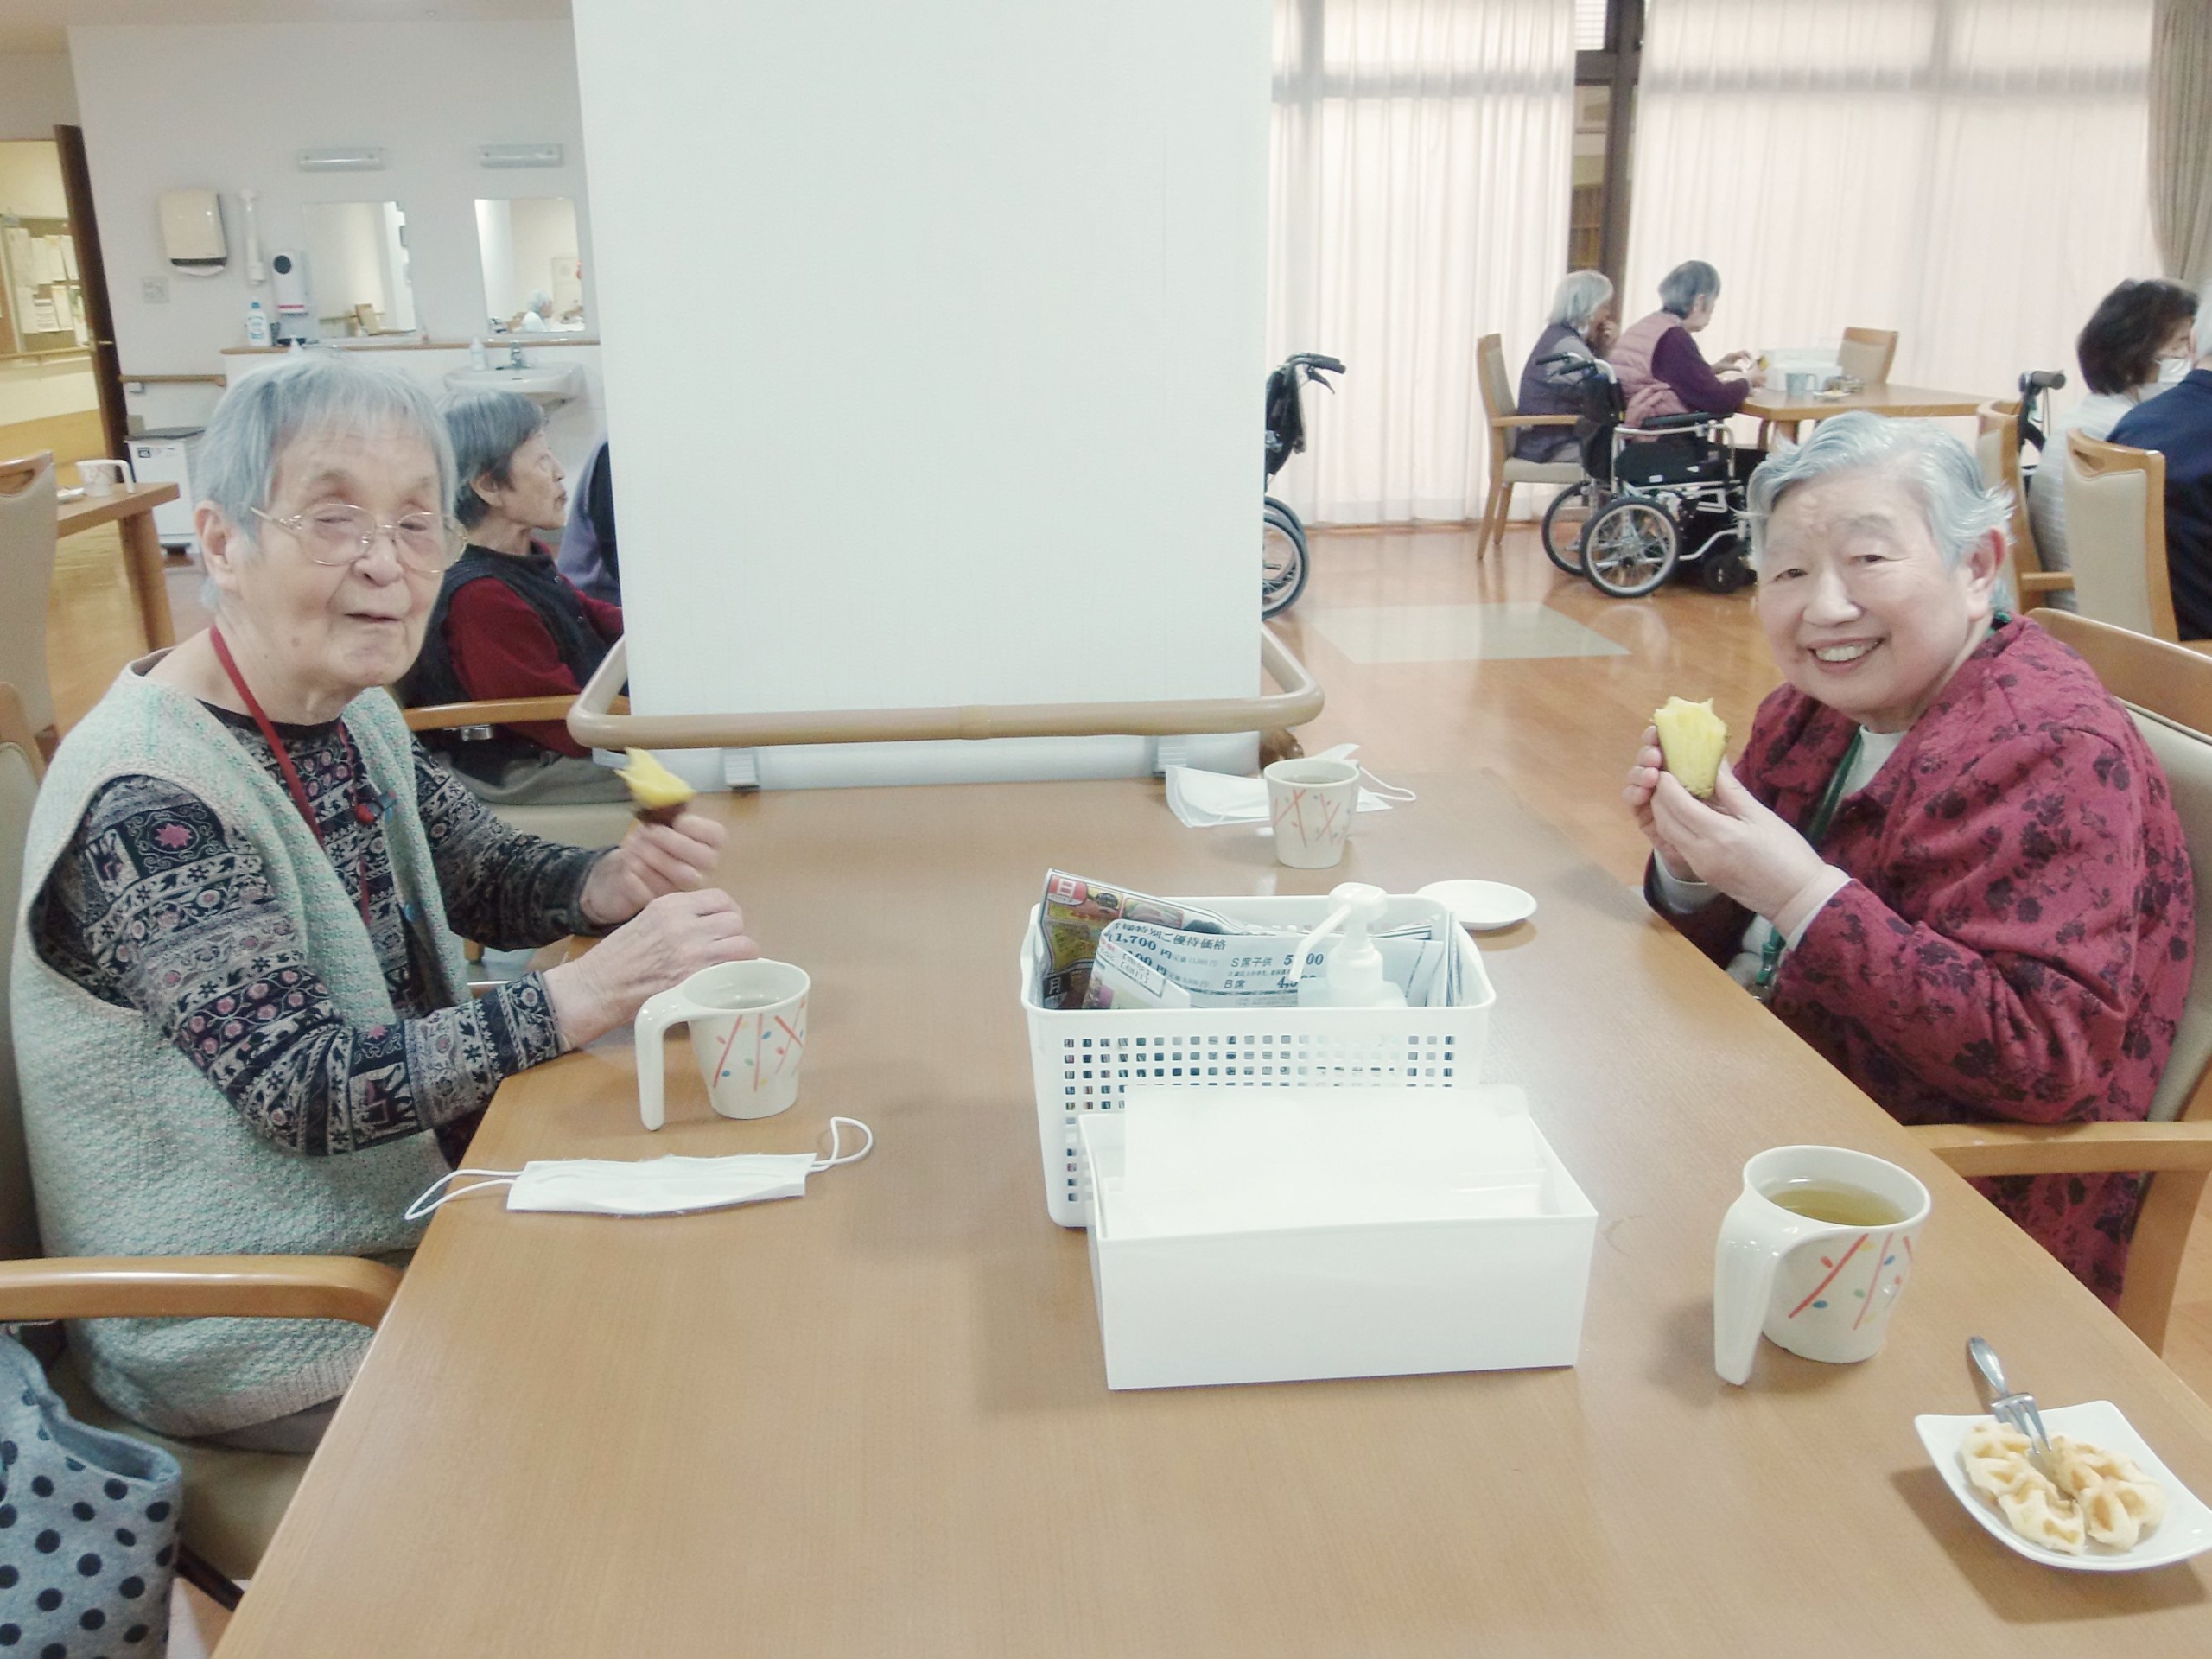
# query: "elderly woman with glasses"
242,1020
1947,859
508,623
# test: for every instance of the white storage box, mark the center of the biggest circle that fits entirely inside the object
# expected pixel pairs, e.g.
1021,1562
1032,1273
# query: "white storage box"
1240,1236
1084,1059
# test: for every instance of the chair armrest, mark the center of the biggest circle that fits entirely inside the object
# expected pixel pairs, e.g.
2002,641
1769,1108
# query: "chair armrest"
1534,420
197,1287
2046,581
502,711
2066,1149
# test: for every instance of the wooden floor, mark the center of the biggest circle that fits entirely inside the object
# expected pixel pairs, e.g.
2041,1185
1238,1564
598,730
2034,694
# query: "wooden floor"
1558,730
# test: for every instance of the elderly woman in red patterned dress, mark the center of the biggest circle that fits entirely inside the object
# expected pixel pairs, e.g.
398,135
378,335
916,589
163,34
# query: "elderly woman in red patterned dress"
1949,861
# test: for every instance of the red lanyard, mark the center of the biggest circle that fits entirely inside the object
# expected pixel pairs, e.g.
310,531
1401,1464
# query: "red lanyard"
284,761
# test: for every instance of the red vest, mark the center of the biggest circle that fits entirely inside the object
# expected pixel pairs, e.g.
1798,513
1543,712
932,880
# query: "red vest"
1648,397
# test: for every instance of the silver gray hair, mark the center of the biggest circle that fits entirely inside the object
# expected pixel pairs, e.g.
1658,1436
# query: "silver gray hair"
315,392
1681,289
1580,295
487,428
1936,467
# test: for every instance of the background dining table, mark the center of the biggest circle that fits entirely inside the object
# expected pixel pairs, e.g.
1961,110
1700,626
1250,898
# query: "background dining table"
873,1420
130,509
1779,411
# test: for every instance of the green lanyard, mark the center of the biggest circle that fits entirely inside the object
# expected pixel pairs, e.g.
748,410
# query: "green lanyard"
1816,829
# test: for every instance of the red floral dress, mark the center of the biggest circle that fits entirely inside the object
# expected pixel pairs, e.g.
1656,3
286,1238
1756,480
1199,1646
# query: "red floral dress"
2016,939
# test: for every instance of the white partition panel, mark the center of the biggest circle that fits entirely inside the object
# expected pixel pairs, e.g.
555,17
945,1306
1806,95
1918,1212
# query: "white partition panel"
933,346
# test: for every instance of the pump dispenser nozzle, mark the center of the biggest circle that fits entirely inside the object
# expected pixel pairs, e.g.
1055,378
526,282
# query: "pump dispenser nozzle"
1354,978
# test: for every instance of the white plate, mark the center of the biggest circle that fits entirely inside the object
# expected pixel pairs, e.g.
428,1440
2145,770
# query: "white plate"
2186,1531
1482,906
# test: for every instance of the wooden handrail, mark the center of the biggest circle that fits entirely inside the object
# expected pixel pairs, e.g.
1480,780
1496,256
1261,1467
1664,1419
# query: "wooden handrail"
497,711
197,1287
592,723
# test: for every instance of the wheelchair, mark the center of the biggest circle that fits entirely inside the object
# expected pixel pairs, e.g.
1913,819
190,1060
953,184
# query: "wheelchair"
1654,498
1282,542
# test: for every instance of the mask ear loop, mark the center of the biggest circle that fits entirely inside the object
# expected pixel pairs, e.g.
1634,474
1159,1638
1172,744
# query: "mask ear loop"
430,1199
833,1159
1388,791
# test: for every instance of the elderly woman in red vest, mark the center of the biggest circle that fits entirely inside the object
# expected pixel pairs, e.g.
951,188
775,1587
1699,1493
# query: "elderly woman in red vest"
508,623
1947,861
1656,359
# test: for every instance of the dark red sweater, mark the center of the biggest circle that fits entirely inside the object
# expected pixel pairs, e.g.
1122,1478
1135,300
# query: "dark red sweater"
501,650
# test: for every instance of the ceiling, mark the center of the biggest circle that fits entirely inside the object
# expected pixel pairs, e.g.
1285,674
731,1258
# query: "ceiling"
43,25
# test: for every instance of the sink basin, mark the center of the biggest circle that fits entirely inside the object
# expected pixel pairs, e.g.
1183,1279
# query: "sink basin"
548,386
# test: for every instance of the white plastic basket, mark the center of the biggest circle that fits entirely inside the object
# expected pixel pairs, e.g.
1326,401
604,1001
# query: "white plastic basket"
1083,1060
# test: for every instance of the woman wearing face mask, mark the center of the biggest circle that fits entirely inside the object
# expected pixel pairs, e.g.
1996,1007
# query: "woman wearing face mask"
241,1019
508,623
1948,859
2141,339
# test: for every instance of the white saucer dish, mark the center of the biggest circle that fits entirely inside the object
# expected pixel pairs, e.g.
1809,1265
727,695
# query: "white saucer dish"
1482,906
2186,1530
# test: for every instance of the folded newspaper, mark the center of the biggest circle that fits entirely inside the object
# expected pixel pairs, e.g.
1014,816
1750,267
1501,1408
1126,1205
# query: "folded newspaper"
1108,948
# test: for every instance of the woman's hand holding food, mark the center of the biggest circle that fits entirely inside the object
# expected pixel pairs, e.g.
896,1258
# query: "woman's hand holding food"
1740,847
672,938
1643,776
653,860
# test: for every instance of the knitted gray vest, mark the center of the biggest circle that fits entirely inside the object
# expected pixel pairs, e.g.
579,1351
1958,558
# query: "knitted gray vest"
133,1152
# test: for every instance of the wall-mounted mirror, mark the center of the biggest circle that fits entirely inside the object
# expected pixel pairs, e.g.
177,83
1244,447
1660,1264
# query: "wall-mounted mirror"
533,277
356,268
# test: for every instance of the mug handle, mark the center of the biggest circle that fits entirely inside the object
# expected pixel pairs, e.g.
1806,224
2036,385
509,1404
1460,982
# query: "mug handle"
1749,1248
660,1011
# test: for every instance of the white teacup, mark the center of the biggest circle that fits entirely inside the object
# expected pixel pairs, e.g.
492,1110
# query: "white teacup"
1311,804
103,477
748,1030
1823,1288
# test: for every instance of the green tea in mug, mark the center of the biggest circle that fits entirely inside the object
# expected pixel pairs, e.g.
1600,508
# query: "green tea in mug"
1833,1201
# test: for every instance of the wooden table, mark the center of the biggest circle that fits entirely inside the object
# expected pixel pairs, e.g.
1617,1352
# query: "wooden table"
874,1421
131,509
1780,410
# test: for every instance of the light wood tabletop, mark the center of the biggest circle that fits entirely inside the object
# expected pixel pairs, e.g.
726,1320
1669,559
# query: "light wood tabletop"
1901,401
873,1421
131,509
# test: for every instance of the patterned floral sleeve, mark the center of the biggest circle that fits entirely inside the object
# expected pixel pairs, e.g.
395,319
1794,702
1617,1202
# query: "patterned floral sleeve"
2021,980
155,906
502,889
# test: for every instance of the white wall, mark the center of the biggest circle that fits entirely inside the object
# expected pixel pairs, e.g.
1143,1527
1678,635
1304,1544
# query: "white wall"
226,108
36,94
961,337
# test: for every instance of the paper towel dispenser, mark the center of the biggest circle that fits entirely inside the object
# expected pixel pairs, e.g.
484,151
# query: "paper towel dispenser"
191,231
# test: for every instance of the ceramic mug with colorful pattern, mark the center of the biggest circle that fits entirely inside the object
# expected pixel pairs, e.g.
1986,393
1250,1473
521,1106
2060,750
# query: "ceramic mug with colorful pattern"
748,1030
1310,803
1823,1284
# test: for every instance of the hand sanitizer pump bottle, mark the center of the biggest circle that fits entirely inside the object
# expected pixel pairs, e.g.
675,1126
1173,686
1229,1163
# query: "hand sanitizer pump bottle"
256,324
1354,977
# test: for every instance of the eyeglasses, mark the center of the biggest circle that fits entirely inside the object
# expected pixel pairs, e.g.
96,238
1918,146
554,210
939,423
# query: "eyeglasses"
339,533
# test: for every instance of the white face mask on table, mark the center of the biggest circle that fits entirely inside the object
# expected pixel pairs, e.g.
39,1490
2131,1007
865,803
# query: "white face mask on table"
651,1186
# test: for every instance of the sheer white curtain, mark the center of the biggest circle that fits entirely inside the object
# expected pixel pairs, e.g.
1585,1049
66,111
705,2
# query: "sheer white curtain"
1420,195
1971,173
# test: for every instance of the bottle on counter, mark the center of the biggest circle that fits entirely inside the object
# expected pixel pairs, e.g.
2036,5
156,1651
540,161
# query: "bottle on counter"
256,324
478,358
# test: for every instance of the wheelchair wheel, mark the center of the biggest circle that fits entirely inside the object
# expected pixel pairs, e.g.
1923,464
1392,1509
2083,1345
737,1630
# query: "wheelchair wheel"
1282,559
1630,547
1563,523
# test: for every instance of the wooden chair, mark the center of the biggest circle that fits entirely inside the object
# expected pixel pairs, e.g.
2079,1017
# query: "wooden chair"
232,1499
2116,534
1866,353
1505,420
2168,690
28,535
1997,446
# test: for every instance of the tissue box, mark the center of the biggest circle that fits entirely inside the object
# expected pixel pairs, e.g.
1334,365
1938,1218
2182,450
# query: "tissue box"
1270,1237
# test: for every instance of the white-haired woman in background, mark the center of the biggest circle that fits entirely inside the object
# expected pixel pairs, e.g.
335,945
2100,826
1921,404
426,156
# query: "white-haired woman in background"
1945,856
1581,326
242,1019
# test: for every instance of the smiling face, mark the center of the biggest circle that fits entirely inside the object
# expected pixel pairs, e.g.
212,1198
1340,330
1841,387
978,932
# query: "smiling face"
311,635
1859,610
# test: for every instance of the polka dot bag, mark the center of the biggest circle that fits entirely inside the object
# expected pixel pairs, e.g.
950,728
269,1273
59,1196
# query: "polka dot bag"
87,1528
